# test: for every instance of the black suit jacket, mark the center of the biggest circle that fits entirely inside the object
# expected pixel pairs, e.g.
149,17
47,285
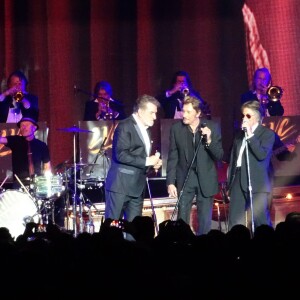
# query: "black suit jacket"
32,112
260,147
274,108
177,163
127,173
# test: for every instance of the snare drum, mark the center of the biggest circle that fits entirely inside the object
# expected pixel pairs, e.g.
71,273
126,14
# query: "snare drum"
48,186
16,210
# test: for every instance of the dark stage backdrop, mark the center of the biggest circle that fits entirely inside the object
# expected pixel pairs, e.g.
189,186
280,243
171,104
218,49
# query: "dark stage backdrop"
138,45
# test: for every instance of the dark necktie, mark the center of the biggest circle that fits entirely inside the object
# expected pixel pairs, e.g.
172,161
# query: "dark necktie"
30,161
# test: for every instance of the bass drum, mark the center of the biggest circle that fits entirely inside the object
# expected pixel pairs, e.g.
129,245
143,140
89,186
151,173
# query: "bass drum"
16,210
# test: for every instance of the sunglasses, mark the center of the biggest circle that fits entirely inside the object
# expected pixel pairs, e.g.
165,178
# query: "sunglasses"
248,116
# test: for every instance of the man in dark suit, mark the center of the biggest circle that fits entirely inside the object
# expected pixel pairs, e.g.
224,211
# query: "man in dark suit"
16,102
249,169
195,147
131,159
270,104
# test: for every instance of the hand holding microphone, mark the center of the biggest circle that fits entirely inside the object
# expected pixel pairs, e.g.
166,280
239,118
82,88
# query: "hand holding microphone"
245,126
158,164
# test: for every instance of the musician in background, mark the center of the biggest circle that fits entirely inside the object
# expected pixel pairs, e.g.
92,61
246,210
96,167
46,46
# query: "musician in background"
261,82
30,158
171,99
25,147
16,102
103,106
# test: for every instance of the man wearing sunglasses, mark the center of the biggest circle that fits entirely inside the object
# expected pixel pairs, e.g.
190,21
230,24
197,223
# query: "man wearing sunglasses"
249,180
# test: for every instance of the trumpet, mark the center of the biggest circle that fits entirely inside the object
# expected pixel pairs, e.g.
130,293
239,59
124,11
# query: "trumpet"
274,93
18,96
185,91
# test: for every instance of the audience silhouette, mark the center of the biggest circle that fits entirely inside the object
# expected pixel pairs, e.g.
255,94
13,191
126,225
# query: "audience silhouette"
54,263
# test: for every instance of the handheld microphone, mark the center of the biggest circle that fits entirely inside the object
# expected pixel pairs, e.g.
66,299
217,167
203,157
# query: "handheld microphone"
243,127
203,136
158,155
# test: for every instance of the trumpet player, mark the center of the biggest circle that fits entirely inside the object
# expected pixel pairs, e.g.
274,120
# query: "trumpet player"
259,91
16,102
171,99
103,106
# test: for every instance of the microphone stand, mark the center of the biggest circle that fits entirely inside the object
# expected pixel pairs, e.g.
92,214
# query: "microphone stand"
202,140
249,183
152,207
98,154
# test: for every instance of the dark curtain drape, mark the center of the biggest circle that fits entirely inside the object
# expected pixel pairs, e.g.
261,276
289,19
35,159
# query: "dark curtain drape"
134,45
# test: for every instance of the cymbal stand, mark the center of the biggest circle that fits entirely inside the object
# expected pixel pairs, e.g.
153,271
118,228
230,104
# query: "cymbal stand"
75,189
81,186
67,198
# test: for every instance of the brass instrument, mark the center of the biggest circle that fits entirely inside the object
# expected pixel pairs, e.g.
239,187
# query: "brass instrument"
185,91
105,112
274,93
18,96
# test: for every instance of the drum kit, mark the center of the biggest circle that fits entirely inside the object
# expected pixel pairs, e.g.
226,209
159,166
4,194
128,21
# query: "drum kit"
79,176
31,203
36,202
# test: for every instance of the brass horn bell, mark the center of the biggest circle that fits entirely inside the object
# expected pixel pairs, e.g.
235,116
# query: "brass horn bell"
18,96
274,93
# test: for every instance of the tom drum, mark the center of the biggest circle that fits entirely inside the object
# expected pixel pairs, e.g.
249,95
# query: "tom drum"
48,186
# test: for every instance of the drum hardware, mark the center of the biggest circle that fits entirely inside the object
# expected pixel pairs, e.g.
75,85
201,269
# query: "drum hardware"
222,199
85,201
9,174
41,213
16,210
76,200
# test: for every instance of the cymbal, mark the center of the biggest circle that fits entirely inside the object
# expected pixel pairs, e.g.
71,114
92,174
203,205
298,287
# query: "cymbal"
73,129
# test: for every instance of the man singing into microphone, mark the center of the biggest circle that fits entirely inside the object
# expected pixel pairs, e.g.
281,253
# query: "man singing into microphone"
195,147
249,169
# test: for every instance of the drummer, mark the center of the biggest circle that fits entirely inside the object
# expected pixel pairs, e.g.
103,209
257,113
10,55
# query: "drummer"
30,156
